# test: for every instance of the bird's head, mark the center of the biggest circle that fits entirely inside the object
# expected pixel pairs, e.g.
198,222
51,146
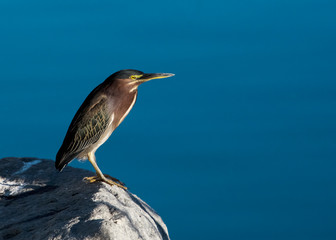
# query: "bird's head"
134,78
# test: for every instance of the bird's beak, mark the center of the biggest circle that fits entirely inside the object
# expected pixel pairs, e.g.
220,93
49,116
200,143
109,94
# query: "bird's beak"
150,76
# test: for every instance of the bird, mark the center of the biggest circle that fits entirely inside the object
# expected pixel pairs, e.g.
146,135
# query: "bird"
99,115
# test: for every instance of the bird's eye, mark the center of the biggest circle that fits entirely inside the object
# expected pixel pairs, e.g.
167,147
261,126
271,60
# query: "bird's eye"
133,77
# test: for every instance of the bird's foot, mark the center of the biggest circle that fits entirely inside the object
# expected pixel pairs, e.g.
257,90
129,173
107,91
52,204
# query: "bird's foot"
108,181
114,179
92,179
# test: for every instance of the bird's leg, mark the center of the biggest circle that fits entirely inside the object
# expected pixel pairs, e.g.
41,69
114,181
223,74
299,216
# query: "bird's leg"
100,176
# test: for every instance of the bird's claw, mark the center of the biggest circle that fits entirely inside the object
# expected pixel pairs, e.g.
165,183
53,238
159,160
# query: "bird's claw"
114,179
91,179
106,180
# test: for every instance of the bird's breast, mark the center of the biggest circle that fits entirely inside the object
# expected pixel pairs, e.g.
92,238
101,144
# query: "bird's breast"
120,110
124,109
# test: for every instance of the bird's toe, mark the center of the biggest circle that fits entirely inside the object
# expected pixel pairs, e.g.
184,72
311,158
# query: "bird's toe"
114,179
111,182
92,179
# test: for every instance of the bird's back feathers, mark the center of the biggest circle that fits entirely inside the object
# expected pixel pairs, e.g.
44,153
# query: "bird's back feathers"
93,122
89,123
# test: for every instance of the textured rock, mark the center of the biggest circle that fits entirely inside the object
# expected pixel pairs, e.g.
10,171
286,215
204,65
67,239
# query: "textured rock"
37,202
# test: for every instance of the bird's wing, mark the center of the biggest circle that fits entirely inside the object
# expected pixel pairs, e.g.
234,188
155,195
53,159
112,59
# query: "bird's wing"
88,125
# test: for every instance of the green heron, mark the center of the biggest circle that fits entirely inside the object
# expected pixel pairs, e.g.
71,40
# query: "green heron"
99,115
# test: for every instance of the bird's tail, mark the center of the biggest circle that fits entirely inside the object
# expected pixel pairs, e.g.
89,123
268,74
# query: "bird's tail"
63,159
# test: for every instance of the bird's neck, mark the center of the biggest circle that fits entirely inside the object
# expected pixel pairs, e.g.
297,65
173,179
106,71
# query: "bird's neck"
123,97
121,88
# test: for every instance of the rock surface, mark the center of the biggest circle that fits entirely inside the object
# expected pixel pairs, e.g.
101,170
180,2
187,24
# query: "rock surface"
37,202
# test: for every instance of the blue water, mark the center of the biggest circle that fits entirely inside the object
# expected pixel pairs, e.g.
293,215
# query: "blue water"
240,144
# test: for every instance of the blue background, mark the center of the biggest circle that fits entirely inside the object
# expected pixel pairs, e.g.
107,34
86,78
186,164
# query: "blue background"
240,144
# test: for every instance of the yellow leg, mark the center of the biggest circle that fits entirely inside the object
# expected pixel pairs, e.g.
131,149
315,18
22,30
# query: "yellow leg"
100,176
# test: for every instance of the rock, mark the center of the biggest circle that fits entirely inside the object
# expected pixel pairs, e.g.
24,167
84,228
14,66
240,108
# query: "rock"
37,202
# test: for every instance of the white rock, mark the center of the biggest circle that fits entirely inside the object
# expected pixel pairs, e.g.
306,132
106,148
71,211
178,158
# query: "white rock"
37,202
